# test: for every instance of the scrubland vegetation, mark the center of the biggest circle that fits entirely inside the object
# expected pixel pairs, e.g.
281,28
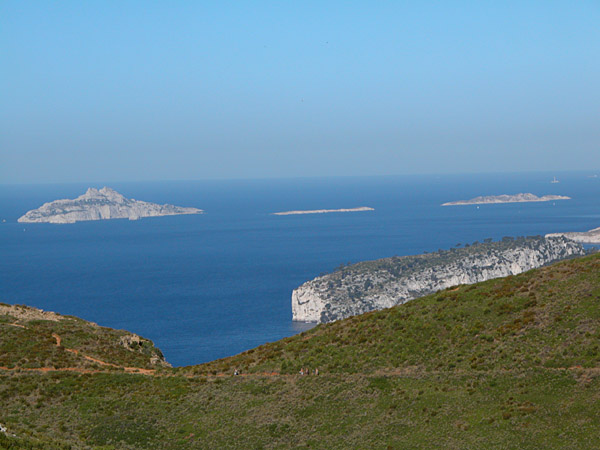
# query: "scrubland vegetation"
508,363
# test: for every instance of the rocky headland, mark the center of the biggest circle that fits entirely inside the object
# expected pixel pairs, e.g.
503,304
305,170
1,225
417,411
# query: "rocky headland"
71,343
517,198
585,237
383,283
101,204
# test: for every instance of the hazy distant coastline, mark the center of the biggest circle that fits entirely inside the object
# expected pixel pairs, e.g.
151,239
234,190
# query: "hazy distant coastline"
323,211
517,198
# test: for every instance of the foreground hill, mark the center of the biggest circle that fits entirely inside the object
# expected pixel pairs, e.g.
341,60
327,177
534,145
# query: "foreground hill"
33,340
507,363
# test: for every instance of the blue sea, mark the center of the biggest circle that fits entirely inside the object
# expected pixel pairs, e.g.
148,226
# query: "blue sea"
207,286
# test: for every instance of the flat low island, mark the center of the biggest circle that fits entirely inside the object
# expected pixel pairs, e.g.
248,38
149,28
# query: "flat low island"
517,198
323,211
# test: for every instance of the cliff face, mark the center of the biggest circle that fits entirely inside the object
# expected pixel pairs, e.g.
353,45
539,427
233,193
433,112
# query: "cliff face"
98,205
586,237
387,282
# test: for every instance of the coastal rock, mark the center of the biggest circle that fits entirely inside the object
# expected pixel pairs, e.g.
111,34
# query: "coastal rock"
28,313
517,198
138,344
100,204
387,282
585,237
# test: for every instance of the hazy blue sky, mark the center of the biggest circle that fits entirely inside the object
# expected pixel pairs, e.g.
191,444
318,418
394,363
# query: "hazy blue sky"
127,90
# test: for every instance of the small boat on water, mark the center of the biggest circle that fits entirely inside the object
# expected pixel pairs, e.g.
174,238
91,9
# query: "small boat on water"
554,180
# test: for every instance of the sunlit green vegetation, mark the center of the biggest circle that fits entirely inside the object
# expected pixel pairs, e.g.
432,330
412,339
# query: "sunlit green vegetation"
509,363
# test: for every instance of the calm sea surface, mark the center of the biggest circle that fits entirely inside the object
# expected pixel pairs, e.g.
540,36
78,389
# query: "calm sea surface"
207,286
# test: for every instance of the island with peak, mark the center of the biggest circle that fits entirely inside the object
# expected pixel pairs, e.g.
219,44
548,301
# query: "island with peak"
323,211
517,198
101,204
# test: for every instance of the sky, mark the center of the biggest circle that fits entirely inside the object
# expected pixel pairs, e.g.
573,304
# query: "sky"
175,90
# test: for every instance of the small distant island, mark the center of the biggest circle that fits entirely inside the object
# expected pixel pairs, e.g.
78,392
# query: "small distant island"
584,237
100,204
323,211
517,198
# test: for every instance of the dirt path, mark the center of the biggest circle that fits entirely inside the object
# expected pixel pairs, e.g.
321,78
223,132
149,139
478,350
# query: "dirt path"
50,369
411,371
103,363
138,370
414,371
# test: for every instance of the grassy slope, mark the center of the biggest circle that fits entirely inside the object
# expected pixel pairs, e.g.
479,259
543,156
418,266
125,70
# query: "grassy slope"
28,341
509,363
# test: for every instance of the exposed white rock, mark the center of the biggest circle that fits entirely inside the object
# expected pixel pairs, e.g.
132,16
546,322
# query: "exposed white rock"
101,204
388,282
585,237
323,211
517,198
29,313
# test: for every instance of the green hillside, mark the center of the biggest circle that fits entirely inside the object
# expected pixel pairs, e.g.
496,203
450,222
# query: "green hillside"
509,363
32,339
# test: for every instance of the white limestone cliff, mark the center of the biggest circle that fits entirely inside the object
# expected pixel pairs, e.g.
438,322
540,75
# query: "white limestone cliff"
388,282
585,237
100,204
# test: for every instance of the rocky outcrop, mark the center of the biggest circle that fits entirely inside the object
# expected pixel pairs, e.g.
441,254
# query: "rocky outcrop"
384,283
138,344
517,198
28,313
585,237
101,204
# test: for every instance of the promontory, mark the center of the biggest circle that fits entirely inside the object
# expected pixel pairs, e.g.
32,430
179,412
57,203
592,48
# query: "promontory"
100,204
387,282
517,198
585,237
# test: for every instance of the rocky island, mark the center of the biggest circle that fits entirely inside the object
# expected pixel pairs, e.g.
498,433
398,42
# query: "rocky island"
383,283
517,198
100,204
323,211
585,237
